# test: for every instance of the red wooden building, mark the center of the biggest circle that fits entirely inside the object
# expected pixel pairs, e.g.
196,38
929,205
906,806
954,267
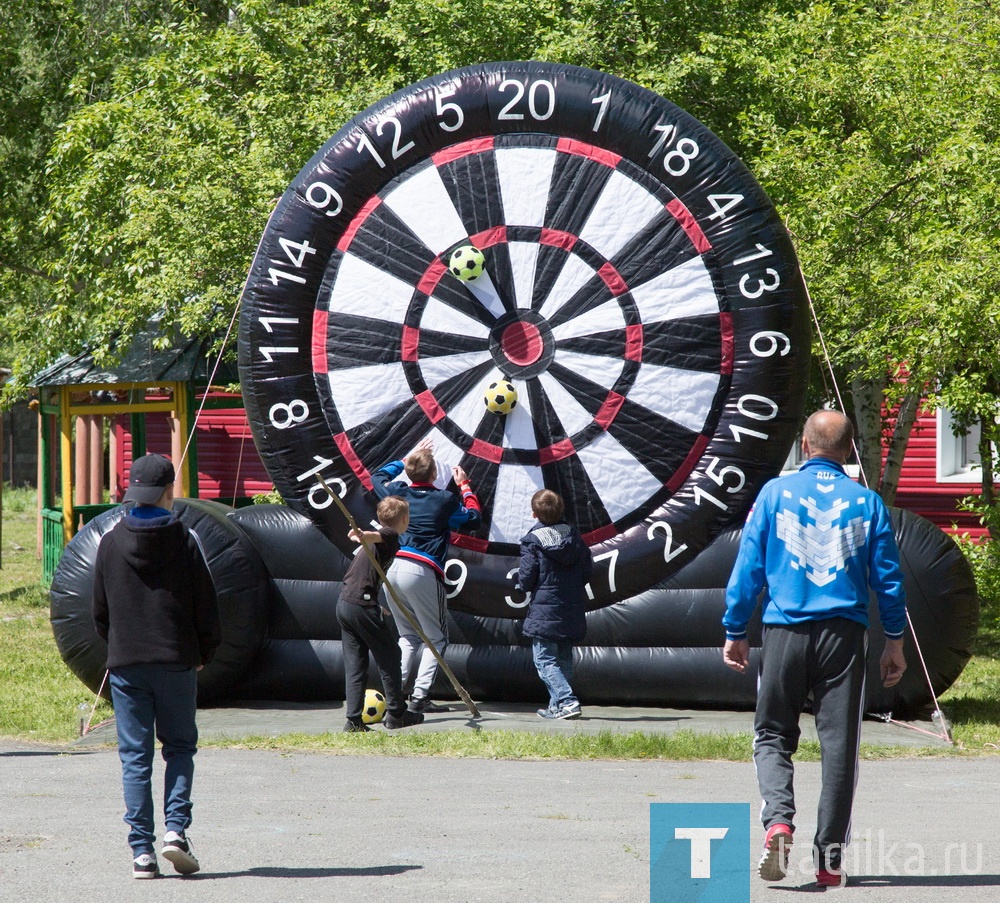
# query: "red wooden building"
224,456
940,469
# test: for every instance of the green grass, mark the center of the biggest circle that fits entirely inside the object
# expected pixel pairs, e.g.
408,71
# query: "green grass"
507,744
39,696
681,746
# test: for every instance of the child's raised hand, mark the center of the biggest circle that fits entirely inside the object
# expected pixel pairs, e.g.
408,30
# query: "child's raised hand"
460,475
354,535
425,444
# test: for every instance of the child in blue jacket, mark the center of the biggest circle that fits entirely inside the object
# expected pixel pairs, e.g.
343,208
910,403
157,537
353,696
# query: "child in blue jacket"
555,567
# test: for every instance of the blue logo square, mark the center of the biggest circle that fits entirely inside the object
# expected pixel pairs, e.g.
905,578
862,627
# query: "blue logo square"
699,853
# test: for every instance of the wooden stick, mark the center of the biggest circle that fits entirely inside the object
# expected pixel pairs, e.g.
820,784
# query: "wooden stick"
403,607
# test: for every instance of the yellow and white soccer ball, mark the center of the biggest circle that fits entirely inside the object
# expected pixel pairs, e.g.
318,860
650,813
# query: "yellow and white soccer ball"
374,709
500,397
467,263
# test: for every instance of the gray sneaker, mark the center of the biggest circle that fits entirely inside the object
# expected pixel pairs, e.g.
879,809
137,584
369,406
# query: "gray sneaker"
572,710
177,850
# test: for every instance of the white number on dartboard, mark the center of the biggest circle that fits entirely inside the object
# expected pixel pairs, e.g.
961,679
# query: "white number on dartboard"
318,497
397,150
509,599
295,251
602,102
775,342
669,554
756,407
541,99
284,415
456,583
759,285
320,195
720,476
677,161
611,557
446,108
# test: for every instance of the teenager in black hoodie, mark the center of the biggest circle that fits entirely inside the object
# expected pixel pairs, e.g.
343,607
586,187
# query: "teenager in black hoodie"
155,604
555,567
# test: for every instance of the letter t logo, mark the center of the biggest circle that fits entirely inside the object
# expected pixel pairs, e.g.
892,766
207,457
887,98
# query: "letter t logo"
701,847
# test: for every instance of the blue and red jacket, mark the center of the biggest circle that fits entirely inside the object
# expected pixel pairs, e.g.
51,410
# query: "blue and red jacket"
434,513
815,541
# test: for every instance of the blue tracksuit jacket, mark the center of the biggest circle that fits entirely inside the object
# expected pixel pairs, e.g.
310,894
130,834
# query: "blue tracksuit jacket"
434,513
816,540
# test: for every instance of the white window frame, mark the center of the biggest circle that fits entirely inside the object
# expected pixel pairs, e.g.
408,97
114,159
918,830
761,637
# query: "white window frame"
957,457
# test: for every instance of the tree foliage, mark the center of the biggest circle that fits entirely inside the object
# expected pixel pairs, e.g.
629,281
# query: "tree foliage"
146,143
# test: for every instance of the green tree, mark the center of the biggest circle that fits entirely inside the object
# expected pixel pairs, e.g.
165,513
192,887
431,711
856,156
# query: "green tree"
881,153
158,136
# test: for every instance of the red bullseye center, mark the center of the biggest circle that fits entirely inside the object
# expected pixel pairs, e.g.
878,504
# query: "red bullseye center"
521,343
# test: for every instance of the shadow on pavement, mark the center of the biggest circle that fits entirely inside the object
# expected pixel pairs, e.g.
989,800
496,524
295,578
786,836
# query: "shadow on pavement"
376,871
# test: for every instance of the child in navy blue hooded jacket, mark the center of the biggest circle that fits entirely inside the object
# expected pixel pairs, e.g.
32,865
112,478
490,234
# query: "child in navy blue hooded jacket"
555,567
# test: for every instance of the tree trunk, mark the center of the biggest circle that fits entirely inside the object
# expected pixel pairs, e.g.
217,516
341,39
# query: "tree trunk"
867,395
905,418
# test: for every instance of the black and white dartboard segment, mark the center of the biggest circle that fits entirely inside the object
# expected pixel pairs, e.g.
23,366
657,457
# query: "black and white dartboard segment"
649,315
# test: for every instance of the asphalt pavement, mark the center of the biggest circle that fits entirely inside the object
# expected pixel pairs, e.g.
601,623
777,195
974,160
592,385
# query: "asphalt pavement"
302,826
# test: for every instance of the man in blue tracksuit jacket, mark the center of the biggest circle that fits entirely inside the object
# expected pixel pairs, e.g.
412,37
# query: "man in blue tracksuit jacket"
815,542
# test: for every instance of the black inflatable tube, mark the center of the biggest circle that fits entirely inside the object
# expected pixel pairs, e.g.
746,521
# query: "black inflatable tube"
696,677
640,651
240,581
660,648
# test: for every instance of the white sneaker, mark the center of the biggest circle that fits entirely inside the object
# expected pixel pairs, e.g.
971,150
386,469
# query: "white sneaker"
177,850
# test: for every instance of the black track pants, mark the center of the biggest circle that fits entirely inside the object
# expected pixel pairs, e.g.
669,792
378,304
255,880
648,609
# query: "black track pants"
827,660
363,629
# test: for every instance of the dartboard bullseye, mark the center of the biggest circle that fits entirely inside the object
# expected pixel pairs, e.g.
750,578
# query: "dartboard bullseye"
616,264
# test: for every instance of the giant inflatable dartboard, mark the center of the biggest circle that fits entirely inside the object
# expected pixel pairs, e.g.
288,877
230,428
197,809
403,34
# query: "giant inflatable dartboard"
639,291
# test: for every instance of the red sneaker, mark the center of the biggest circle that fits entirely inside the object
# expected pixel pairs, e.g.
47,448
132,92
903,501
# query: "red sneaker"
831,878
773,865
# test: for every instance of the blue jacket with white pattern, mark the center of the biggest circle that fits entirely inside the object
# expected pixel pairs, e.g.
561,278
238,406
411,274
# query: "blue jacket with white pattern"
815,541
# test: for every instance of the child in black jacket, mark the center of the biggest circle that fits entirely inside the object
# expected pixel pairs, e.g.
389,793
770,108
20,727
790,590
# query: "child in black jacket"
555,567
363,625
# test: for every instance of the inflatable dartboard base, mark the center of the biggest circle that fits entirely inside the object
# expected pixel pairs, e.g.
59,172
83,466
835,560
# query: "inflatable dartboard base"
279,578
240,581
660,648
639,292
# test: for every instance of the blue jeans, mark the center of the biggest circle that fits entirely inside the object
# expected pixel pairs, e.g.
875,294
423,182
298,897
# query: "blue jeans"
554,662
155,702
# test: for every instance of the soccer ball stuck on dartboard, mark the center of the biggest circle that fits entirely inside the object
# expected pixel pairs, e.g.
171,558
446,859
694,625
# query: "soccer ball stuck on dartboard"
374,707
501,397
467,263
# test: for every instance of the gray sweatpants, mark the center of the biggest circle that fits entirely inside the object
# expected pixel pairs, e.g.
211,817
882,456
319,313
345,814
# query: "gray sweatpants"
419,587
824,659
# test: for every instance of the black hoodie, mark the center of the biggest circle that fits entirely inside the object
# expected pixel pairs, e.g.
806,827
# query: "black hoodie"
555,567
154,599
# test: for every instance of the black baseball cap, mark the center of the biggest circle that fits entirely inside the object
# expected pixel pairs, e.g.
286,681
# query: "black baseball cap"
150,475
